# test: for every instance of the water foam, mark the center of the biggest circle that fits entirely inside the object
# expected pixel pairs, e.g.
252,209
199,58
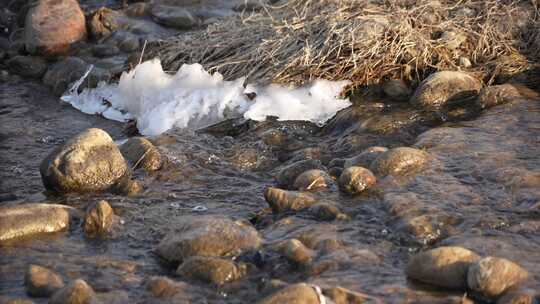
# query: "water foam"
194,98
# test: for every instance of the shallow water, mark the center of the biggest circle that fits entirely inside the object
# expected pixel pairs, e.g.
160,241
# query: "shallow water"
481,190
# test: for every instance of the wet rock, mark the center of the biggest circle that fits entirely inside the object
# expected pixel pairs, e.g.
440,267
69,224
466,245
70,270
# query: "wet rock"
139,9
519,296
42,282
365,158
104,22
340,295
443,266
163,287
98,219
296,252
27,66
211,270
141,153
443,87
287,176
282,200
274,137
298,293
77,292
399,161
61,74
492,276
126,41
52,26
496,95
113,297
452,39
356,179
312,179
396,89
175,17
6,300
17,221
335,172
325,211
208,236
88,162
105,50
4,76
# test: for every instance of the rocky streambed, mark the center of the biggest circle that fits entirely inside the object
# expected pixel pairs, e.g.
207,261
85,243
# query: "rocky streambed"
424,196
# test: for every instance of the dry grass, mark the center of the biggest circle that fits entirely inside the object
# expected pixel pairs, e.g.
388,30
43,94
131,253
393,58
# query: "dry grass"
298,40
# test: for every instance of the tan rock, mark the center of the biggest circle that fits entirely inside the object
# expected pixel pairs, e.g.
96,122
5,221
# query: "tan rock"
312,179
399,161
294,294
492,276
283,200
99,219
141,153
42,282
356,179
443,266
211,270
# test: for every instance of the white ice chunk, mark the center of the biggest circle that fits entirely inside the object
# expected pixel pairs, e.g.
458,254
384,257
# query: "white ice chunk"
194,98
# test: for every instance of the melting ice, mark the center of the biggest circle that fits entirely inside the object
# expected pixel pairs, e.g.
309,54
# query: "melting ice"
194,98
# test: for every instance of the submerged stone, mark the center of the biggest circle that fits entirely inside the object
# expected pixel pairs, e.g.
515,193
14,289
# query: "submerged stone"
42,282
28,219
356,179
211,270
443,266
296,252
282,200
208,236
141,153
493,276
298,293
365,158
312,180
287,176
99,219
399,161
77,292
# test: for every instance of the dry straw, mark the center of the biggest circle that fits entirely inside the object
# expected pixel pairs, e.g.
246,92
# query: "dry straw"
364,41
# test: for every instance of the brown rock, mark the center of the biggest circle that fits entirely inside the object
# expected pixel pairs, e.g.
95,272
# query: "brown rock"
293,294
163,287
296,252
52,26
141,153
312,179
99,219
42,282
492,276
211,270
399,161
326,211
356,179
365,158
208,236
441,87
77,292
443,266
496,95
88,162
396,89
283,200
28,219
103,22
340,295
287,176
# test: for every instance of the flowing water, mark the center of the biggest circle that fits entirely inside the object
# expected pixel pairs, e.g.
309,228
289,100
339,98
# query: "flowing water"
480,190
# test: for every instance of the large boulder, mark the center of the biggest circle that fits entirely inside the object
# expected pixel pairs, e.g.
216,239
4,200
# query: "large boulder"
208,236
443,266
441,87
51,26
88,162
29,219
